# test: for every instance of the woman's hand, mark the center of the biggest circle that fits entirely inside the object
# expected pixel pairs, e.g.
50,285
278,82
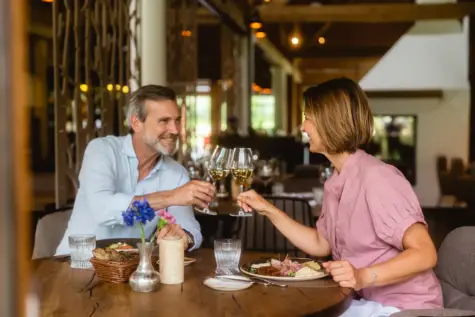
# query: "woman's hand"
173,230
250,200
345,274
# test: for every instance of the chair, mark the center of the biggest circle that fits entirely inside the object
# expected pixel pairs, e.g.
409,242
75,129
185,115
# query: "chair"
50,227
257,233
455,268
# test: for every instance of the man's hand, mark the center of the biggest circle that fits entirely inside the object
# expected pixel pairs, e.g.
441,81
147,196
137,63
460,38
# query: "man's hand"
173,230
195,192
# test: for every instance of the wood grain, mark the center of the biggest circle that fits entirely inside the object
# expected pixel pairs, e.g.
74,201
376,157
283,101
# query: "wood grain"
68,292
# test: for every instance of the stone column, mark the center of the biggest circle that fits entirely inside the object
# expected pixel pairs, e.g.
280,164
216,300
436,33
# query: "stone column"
279,90
244,105
153,42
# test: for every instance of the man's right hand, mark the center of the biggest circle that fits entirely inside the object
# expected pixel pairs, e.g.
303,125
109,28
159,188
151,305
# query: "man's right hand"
197,193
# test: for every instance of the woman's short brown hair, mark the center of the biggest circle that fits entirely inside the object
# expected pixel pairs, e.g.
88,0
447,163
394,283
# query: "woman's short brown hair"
342,114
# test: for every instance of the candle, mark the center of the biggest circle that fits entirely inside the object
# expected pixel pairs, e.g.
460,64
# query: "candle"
171,255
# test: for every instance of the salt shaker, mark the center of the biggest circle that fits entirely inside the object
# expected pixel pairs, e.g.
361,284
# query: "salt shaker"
171,256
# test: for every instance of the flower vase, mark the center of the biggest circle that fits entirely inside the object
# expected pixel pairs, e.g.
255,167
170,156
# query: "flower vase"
145,278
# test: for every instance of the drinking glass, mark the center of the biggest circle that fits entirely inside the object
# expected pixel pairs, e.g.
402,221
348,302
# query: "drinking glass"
242,168
218,169
81,246
227,253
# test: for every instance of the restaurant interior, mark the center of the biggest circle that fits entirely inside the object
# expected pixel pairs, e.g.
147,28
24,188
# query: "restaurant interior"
239,69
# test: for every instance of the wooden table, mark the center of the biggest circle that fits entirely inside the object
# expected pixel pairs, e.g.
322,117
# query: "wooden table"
70,292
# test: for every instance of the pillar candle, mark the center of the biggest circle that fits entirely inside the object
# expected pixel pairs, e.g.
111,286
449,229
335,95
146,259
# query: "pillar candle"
171,255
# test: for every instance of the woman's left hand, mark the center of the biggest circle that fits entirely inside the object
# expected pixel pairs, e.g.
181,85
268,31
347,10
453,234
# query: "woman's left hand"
345,274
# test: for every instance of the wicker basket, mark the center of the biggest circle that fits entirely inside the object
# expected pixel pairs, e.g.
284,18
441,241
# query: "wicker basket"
114,272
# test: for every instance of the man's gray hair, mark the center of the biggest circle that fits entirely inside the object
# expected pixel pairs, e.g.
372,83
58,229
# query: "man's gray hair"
136,105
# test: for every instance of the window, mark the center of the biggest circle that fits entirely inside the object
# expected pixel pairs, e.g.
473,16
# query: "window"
263,113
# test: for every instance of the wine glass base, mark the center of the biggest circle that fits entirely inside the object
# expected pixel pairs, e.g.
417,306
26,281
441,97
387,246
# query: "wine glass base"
206,211
241,214
222,195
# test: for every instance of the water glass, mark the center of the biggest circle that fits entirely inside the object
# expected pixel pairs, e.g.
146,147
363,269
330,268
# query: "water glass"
227,253
81,246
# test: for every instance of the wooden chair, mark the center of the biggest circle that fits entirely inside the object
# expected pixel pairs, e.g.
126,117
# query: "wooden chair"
257,233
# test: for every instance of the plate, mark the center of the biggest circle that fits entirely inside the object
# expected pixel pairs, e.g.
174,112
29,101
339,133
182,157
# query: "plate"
226,286
187,261
245,269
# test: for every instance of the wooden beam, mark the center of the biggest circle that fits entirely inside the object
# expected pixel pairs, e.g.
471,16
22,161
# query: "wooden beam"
274,56
15,192
339,52
228,12
471,75
404,94
367,13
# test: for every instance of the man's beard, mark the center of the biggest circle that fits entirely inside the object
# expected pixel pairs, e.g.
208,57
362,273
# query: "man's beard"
156,145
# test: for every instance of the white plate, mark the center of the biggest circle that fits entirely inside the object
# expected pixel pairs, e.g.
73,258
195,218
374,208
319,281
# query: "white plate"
316,276
226,286
127,250
187,261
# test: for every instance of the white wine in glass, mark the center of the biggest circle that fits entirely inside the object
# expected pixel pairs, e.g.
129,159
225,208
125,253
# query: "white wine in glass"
242,168
218,169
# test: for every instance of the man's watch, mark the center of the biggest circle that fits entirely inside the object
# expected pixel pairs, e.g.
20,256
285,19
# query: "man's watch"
191,240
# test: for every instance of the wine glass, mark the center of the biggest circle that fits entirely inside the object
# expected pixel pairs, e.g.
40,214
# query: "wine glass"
266,173
218,168
242,168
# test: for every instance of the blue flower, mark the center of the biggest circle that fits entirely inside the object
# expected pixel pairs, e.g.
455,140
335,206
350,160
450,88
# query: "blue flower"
138,212
128,216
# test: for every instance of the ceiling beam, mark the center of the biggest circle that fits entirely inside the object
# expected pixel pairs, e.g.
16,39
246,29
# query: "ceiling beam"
228,12
274,56
368,13
338,52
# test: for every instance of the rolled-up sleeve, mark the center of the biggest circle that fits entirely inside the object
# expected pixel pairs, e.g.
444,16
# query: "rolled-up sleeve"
322,222
392,204
98,181
185,216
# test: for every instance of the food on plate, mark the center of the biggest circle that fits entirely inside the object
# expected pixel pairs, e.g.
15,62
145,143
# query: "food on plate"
287,267
121,246
313,265
108,254
305,271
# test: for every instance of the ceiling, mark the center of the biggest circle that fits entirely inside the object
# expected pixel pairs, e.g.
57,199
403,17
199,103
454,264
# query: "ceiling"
350,49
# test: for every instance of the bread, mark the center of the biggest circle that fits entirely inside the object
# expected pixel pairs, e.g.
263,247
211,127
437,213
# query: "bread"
108,254
313,265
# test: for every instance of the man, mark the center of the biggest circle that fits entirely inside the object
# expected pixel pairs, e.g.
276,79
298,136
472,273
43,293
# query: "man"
119,170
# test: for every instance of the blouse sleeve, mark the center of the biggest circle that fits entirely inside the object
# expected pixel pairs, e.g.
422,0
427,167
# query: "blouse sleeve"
392,204
322,222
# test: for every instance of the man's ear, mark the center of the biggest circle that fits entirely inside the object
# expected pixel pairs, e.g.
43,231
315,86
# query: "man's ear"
135,123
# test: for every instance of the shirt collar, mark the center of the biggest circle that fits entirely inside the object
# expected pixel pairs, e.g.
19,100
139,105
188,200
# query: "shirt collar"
128,147
337,181
129,151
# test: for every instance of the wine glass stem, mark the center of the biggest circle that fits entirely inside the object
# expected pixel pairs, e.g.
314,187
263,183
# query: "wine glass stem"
241,189
214,185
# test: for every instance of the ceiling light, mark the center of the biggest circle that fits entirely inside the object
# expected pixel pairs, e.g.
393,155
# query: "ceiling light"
186,33
255,22
260,34
295,41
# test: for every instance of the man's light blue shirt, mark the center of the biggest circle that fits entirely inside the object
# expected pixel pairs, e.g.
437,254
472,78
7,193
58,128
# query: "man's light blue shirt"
108,181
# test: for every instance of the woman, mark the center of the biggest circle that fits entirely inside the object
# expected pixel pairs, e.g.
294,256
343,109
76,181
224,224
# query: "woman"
371,221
